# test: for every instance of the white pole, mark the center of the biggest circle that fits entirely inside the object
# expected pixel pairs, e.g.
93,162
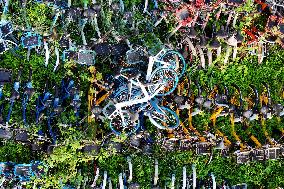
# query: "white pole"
109,184
82,32
228,53
47,53
105,180
97,26
145,6
69,3
96,178
173,181
214,181
209,55
130,169
219,50
235,19
156,177
194,176
202,58
121,4
57,59
191,46
121,186
235,52
229,19
183,177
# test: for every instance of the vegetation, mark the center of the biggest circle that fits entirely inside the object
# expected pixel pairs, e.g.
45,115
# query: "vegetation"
69,165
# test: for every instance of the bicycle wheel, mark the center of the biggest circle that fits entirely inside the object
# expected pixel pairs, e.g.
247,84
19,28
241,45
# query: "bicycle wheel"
176,60
164,118
124,123
163,77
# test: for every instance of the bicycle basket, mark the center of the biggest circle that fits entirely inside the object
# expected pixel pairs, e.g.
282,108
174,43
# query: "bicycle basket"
5,76
86,57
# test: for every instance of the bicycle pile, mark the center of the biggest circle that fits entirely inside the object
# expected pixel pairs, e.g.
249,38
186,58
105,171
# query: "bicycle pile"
147,82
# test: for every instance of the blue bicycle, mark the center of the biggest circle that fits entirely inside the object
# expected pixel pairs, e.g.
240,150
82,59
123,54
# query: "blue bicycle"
15,95
28,93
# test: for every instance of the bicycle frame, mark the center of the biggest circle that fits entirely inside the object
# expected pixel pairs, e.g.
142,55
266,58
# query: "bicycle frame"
147,98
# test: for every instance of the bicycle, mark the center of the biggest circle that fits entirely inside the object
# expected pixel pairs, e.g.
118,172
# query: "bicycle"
160,116
56,110
28,93
43,102
15,95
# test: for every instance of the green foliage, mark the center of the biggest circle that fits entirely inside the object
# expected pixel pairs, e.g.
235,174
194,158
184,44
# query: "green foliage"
39,15
67,159
11,151
62,165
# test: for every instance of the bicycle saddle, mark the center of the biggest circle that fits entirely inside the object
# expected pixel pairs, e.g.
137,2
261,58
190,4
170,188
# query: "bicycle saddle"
215,44
134,186
278,109
208,104
265,110
5,76
134,116
192,33
203,42
30,92
248,113
179,99
222,33
221,100
239,37
15,95
5,134
90,12
21,135
135,141
91,148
